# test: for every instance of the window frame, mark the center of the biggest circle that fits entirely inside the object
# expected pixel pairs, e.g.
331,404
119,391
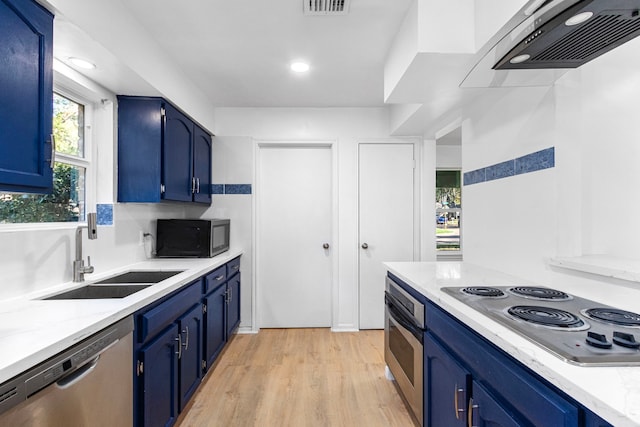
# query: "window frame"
451,254
76,93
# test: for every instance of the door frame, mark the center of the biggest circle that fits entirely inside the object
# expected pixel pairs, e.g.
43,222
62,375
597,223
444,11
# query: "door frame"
417,201
298,143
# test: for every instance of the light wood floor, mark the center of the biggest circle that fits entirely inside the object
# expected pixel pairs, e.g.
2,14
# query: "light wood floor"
301,378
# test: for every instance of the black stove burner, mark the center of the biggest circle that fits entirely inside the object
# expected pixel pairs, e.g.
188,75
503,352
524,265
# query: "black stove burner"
539,293
546,316
614,316
483,291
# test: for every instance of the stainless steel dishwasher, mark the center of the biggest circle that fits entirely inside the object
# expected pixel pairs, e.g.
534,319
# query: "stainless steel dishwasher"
89,384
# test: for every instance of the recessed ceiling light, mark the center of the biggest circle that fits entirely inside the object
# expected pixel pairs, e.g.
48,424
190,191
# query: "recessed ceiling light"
82,63
578,19
520,58
299,67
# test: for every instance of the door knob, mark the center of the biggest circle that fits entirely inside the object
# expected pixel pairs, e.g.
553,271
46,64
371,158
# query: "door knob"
365,246
326,246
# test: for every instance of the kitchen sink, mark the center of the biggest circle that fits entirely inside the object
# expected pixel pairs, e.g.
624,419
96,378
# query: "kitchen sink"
139,277
119,286
99,292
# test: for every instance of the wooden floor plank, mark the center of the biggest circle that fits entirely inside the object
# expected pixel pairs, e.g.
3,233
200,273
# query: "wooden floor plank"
299,377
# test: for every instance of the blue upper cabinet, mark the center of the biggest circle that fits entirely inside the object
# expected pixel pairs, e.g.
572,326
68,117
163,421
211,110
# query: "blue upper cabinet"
161,153
177,156
202,150
26,91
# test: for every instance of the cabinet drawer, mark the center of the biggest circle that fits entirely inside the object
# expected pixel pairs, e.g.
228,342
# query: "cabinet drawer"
215,279
233,267
159,317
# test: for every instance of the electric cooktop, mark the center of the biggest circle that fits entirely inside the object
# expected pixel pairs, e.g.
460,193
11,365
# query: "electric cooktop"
578,330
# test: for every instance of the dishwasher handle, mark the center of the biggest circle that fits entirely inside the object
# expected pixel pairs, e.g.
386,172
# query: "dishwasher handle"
77,375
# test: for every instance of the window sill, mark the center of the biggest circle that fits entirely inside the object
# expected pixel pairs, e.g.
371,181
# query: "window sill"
601,265
12,228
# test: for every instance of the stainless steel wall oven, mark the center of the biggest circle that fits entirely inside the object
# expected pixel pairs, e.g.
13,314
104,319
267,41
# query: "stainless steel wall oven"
403,344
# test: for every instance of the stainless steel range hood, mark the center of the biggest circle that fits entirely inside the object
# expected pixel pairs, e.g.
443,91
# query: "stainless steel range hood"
548,37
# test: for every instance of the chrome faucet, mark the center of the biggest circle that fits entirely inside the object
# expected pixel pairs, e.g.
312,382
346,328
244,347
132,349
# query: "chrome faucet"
79,269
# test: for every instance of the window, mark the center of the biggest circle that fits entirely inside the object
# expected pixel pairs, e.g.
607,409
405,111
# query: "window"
448,212
67,201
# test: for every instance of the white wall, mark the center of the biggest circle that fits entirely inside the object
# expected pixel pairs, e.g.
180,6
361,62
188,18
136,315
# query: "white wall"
448,156
233,164
587,203
238,128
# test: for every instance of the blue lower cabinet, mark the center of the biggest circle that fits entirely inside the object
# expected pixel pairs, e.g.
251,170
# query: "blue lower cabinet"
215,338
447,385
222,310
157,389
592,420
469,381
485,410
233,304
190,353
167,363
177,339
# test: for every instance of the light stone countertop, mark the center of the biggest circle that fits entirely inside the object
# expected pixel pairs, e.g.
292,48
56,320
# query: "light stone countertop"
613,393
33,330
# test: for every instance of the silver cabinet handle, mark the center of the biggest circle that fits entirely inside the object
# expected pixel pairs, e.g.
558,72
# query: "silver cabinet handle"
197,185
326,246
456,391
53,150
236,267
179,340
193,185
365,246
186,341
470,413
218,278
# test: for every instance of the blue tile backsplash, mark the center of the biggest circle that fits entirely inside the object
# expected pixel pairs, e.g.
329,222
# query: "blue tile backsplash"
217,188
501,170
536,161
104,214
237,189
230,188
539,160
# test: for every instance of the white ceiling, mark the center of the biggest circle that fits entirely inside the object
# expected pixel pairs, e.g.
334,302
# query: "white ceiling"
237,52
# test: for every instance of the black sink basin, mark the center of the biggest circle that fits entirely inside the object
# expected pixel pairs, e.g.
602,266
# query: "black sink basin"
99,292
140,277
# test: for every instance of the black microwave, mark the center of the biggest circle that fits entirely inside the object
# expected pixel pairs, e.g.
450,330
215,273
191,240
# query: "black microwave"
191,238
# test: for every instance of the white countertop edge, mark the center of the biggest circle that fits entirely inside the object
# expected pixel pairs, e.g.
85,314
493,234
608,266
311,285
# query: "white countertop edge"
39,329
613,393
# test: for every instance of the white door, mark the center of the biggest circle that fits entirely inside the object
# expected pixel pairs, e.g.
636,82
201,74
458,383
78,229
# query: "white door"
386,221
294,216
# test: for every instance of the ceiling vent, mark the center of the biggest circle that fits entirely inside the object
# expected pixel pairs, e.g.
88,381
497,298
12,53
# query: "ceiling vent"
326,7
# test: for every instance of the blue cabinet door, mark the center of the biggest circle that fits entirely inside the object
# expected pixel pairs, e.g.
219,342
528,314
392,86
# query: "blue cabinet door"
160,379
177,155
191,353
487,412
215,323
233,307
202,165
26,85
139,149
446,387
592,420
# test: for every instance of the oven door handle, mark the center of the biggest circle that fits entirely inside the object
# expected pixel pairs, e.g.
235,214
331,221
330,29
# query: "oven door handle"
403,320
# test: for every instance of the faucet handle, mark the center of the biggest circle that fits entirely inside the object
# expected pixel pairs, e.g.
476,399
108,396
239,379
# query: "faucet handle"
88,268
